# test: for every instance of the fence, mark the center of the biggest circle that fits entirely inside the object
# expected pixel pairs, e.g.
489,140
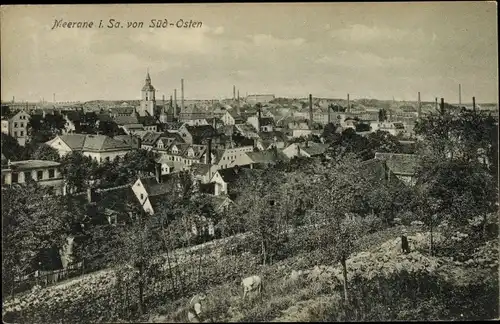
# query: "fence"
45,278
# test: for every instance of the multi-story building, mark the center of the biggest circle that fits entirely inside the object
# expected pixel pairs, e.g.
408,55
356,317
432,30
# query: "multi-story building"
15,124
45,173
99,147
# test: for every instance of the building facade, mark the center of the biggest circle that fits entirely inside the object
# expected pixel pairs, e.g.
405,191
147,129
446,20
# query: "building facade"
45,173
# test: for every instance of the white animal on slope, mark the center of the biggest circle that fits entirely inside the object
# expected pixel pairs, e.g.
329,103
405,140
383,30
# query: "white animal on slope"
253,283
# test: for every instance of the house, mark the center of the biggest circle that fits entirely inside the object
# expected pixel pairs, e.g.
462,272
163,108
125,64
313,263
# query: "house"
246,130
15,124
259,98
227,118
121,120
122,111
99,147
149,140
272,139
231,157
203,226
153,192
149,123
45,173
133,141
262,124
197,134
167,139
403,166
307,149
298,129
166,165
202,172
184,155
224,177
193,113
197,122
131,129
267,157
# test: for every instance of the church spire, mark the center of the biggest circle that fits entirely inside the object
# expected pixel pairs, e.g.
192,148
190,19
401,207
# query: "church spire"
148,78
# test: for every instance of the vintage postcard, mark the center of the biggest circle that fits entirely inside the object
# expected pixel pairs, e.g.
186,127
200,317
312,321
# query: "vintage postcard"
249,162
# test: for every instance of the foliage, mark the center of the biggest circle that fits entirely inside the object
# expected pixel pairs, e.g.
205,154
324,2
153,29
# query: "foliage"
45,152
11,148
77,170
31,220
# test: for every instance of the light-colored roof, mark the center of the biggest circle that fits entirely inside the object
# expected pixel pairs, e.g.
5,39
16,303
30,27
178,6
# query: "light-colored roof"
78,142
33,164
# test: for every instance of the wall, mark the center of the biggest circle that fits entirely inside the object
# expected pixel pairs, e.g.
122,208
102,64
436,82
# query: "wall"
101,156
18,127
235,156
301,132
220,185
139,189
56,182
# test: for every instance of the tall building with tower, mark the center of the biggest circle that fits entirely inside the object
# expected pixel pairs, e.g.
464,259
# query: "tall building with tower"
148,101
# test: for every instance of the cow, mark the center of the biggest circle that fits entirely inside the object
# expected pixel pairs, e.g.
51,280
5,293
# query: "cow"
253,283
194,308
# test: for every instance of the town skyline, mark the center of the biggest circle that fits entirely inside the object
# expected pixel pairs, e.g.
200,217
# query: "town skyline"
376,51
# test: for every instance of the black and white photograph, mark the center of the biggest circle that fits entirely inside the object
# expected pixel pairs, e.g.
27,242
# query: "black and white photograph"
249,162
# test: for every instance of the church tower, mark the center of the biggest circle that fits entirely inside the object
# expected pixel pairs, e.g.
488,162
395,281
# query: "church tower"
148,102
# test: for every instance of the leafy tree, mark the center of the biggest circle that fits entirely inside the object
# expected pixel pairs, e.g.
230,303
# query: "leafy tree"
77,170
138,162
362,127
382,115
381,141
32,220
11,148
329,133
45,152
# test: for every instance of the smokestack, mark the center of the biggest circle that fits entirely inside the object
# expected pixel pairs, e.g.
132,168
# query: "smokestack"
238,104
13,99
436,104
182,94
171,102
310,111
474,103
54,97
348,104
258,120
208,157
419,111
329,116
442,106
460,94
175,103
234,92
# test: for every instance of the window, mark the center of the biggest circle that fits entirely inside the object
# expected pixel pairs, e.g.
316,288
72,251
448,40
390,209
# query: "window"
142,196
107,158
15,177
39,175
22,133
15,124
52,173
22,125
27,175
15,134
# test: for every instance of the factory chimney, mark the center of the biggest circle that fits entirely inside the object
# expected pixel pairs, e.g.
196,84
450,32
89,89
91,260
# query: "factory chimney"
442,106
175,103
419,111
54,97
13,99
310,111
238,104
234,92
348,104
436,104
459,94
474,104
182,95
258,119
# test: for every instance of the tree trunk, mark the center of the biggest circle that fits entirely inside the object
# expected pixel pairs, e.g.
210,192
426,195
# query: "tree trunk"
344,274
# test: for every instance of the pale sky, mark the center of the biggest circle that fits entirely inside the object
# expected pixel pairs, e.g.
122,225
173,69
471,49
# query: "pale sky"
370,50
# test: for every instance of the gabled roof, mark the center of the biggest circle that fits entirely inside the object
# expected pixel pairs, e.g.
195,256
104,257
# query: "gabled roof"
268,156
104,118
313,148
148,120
103,143
124,120
200,169
132,141
246,130
133,126
32,164
74,141
269,136
122,110
399,164
150,138
201,131
155,188
266,121
229,174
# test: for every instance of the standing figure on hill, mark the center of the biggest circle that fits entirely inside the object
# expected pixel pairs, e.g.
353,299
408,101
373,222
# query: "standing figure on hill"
194,311
405,248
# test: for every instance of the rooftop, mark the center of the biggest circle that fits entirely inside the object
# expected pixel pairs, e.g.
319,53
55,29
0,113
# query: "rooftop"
32,164
399,164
